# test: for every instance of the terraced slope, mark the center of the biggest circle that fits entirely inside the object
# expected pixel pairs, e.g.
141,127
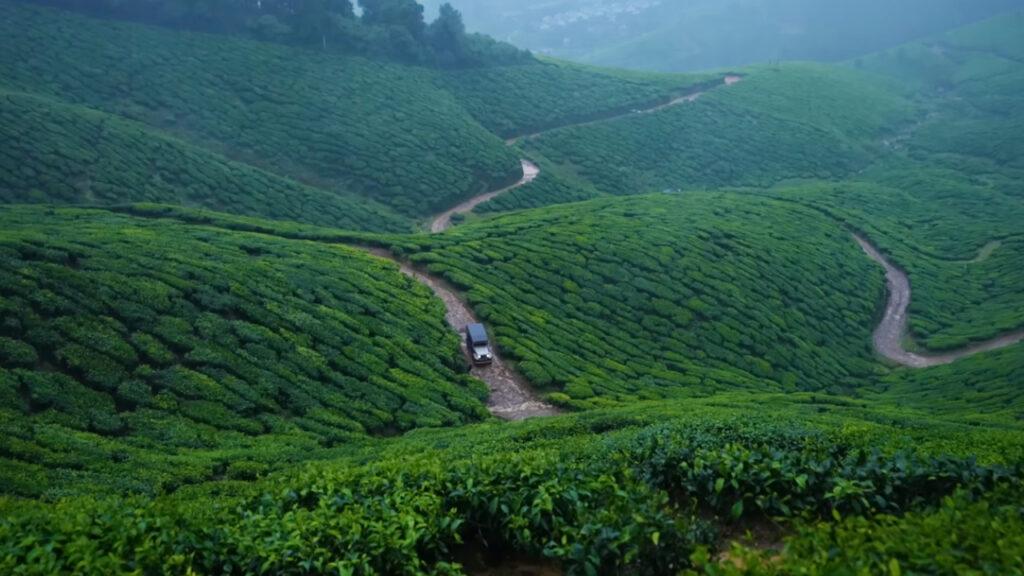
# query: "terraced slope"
407,137
792,121
64,154
513,101
339,123
125,341
618,299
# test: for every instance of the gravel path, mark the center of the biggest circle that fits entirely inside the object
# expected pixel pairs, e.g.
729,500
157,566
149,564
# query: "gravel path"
892,330
511,398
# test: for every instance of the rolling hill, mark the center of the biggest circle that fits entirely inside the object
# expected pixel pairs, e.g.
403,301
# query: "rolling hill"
226,339
347,125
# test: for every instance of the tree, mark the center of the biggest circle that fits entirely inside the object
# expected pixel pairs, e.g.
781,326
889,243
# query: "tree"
405,13
448,34
316,20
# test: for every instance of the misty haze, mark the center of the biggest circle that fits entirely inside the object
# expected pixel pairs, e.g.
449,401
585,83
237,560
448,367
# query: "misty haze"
511,287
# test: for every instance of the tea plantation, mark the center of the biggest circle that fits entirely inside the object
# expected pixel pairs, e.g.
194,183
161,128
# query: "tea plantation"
514,101
379,129
619,299
63,154
649,490
391,133
125,340
785,122
203,371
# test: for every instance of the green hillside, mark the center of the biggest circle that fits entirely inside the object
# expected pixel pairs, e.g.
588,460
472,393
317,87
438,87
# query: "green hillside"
204,371
64,154
340,123
516,100
388,132
795,121
639,490
658,296
126,342
952,234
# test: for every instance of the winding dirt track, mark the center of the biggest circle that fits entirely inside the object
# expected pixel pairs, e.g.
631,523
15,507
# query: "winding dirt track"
892,330
510,398
443,221
685,98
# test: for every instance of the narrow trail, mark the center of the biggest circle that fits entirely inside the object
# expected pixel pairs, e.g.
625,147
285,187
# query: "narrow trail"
443,221
511,398
685,98
892,330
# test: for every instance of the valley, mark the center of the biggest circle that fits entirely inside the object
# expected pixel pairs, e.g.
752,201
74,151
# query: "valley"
236,271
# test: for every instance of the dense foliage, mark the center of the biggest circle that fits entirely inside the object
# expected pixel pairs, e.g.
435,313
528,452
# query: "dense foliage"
954,236
186,391
387,28
381,130
63,154
517,100
792,121
125,340
653,296
592,495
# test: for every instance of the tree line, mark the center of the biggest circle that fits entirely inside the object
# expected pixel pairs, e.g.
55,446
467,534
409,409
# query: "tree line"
394,29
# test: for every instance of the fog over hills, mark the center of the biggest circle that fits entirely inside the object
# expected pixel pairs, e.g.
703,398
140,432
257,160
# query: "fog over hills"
683,35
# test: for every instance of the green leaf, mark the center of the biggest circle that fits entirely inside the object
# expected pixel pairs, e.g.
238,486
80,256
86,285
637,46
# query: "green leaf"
655,537
737,509
719,485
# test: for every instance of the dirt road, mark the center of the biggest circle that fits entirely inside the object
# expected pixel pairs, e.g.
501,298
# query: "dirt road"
892,332
511,398
683,99
443,221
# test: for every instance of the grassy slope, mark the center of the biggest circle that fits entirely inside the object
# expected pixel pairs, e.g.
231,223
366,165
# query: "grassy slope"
656,296
928,159
950,182
126,340
381,130
781,455
614,490
391,133
791,121
610,490
63,154
517,100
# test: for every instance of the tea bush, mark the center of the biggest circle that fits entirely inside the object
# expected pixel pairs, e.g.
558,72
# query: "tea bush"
786,122
340,123
596,502
144,337
514,101
61,154
619,299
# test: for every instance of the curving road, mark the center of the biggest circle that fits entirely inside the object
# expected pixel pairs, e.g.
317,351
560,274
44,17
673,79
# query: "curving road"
443,221
685,98
511,398
892,330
